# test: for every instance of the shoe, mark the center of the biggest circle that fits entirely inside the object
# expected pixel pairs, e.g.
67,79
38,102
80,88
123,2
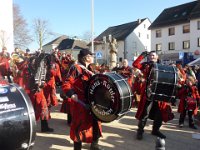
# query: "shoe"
180,125
193,127
47,130
139,135
95,147
158,134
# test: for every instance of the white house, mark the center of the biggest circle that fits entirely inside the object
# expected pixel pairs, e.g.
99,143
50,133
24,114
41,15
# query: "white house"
175,33
6,25
132,38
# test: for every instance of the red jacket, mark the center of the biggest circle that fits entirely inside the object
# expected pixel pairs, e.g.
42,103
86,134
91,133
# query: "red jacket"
163,106
4,64
82,118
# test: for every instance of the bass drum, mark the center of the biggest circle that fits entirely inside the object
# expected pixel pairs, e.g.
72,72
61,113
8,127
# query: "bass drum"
17,119
109,95
162,83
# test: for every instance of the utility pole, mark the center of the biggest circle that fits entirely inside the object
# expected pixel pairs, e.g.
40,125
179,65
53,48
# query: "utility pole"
92,25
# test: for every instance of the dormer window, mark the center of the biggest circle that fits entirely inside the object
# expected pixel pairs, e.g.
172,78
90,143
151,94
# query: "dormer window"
176,15
184,13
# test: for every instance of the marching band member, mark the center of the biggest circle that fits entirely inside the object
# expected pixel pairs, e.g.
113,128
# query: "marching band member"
4,64
127,72
84,127
189,100
155,110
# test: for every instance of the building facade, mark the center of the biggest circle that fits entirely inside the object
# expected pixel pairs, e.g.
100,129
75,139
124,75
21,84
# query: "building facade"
132,39
175,33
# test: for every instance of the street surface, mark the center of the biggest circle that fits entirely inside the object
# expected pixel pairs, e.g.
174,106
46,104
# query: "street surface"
118,135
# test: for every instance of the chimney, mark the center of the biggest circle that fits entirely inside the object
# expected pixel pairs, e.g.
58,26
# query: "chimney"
139,21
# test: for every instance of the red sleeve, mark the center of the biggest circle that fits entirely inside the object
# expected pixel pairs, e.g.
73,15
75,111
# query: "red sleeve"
137,62
69,81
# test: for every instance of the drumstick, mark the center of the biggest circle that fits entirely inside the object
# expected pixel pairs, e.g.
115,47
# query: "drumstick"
82,103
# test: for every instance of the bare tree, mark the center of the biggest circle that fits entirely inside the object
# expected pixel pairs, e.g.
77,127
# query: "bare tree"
41,31
22,37
87,36
3,38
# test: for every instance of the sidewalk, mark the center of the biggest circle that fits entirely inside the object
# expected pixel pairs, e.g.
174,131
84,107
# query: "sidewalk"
118,135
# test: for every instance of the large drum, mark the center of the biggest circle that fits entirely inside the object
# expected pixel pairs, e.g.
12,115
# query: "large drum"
110,96
17,119
162,83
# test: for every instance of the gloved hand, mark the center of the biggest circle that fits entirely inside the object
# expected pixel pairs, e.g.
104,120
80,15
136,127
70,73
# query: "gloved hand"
145,53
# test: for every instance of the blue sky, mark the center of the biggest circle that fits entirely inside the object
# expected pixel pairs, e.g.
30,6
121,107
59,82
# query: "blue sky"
73,17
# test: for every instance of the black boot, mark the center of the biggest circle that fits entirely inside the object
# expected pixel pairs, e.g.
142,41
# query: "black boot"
45,127
182,119
156,127
191,120
95,146
77,145
69,119
140,130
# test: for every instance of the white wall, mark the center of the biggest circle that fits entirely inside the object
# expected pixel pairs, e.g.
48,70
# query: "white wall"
136,44
178,38
195,35
6,24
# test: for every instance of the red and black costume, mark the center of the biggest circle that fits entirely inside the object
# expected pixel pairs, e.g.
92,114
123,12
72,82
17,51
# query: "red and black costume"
158,110
4,65
84,128
189,100
127,73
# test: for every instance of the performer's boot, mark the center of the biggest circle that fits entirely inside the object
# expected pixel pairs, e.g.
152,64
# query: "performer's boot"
95,145
181,120
156,126
77,145
191,120
140,130
45,126
69,119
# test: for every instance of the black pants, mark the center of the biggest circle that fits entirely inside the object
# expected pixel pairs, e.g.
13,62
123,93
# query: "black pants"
152,111
190,117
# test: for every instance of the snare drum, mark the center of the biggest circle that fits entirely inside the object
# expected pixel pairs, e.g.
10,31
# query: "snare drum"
17,119
162,83
109,95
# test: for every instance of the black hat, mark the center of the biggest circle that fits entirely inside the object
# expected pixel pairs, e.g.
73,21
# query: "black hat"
85,52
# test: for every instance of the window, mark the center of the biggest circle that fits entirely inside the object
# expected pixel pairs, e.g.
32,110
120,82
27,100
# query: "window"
171,46
139,34
158,47
198,25
147,36
144,25
171,31
198,42
186,44
158,33
186,28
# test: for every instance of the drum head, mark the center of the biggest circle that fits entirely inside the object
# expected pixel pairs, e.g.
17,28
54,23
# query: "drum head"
161,84
104,97
17,119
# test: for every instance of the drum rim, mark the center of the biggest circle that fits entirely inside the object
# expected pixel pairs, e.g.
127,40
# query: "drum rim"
30,143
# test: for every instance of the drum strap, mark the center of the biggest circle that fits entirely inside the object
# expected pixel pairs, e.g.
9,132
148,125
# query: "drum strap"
84,68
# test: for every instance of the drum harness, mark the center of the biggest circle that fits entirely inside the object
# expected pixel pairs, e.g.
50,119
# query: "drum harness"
86,106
